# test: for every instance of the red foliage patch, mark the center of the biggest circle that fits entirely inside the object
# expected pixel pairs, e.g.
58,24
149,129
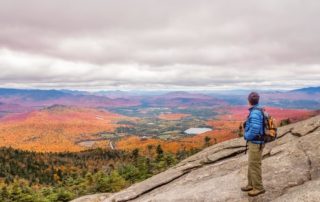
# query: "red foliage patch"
56,129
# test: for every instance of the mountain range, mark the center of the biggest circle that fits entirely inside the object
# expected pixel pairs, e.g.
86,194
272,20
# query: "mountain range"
66,120
23,99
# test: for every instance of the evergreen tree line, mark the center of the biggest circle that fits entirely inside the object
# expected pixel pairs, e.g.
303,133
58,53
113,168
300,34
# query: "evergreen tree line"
30,176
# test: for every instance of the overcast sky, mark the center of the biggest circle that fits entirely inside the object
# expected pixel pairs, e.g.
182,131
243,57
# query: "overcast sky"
163,44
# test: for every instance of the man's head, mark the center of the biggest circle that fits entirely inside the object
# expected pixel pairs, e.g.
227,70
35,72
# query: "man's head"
253,98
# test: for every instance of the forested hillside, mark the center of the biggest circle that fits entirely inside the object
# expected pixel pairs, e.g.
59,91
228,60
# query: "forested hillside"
34,177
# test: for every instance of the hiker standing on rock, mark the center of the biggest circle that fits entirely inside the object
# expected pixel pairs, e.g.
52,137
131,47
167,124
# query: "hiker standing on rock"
253,128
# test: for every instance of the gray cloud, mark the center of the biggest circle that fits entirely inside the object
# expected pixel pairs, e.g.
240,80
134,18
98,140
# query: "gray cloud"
159,44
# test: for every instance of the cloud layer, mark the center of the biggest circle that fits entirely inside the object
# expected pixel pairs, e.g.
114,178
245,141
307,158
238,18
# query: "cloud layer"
137,44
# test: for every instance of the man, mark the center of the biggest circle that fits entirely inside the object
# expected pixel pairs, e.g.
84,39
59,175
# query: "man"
254,127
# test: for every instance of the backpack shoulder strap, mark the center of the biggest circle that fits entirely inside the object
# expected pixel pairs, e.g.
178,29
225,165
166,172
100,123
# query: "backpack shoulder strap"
263,119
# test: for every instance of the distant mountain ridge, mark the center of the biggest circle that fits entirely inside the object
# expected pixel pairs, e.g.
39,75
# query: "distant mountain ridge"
37,98
310,90
25,99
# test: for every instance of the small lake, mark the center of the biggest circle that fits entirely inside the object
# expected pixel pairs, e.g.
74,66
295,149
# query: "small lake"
196,131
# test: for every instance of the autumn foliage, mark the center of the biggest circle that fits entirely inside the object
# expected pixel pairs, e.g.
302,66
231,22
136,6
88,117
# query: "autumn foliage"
57,128
225,127
61,128
239,113
172,116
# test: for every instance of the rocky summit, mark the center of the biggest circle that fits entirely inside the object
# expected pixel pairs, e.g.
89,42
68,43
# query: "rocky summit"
290,166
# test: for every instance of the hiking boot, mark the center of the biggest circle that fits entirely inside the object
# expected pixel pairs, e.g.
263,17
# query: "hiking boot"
246,188
255,192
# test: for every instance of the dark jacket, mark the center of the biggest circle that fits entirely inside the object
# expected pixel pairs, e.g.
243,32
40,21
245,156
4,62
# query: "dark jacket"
254,125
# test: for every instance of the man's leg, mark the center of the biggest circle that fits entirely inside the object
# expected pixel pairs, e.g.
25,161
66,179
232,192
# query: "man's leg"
249,169
255,158
249,186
